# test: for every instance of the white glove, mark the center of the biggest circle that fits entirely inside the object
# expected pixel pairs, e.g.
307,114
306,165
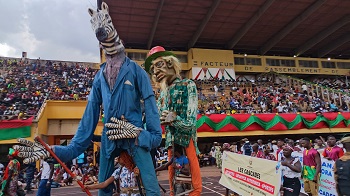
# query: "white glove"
120,129
31,151
167,117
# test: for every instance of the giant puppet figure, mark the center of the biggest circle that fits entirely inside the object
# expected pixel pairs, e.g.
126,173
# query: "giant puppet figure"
118,86
178,104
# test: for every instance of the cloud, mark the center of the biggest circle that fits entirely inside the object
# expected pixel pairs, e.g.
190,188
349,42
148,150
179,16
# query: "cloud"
6,50
55,29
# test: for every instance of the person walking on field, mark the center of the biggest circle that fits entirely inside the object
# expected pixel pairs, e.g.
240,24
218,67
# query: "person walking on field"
218,155
46,177
311,168
30,177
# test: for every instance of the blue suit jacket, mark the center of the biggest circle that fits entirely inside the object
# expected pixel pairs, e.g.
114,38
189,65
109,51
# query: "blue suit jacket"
132,85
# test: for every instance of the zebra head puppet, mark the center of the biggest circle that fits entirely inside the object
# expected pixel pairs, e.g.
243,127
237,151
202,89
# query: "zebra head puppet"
105,32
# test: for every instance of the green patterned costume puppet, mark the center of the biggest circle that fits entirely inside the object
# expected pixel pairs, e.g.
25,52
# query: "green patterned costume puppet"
178,104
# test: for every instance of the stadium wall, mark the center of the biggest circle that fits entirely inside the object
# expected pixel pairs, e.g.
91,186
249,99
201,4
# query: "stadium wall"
59,120
249,64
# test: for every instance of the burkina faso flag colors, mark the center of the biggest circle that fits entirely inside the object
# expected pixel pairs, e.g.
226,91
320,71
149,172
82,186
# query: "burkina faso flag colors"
13,129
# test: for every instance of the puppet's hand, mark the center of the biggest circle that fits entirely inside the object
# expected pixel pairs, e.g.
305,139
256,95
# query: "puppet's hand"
167,117
31,151
119,129
136,171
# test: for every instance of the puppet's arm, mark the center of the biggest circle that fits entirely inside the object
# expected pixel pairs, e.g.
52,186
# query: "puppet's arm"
84,134
80,142
152,136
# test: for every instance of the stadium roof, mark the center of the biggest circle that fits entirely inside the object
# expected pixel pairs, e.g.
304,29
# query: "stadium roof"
311,28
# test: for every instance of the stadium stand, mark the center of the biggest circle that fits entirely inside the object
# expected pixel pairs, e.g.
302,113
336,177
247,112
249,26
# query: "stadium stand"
26,84
271,93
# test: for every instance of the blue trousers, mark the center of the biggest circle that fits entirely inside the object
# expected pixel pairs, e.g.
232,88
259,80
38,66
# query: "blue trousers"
55,185
143,161
29,179
44,190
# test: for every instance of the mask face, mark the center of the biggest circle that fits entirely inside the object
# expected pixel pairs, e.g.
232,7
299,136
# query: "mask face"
101,24
162,70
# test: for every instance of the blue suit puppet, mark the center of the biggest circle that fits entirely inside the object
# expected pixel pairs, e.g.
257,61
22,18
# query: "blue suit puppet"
118,87
124,100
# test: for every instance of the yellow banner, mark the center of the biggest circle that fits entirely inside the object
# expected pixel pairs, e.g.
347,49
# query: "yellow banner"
210,58
247,175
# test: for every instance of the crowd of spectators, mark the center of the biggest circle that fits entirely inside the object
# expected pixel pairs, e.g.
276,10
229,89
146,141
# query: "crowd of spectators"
271,149
337,83
25,84
268,95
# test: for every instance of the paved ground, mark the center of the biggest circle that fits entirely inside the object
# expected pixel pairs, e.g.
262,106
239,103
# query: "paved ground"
211,186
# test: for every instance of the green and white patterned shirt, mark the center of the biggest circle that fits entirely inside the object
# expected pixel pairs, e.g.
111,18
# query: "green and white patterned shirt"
181,98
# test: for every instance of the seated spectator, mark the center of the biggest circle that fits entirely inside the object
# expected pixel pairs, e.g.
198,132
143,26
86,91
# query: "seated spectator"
67,179
333,107
90,178
77,171
58,179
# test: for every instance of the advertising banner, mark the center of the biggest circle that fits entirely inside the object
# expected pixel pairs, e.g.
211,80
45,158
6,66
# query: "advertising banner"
247,175
327,182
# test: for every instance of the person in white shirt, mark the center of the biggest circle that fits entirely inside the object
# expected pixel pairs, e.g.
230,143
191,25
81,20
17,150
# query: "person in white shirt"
261,146
304,87
274,146
46,176
216,89
279,108
291,172
212,156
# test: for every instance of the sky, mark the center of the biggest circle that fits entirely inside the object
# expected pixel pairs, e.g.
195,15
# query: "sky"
49,29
